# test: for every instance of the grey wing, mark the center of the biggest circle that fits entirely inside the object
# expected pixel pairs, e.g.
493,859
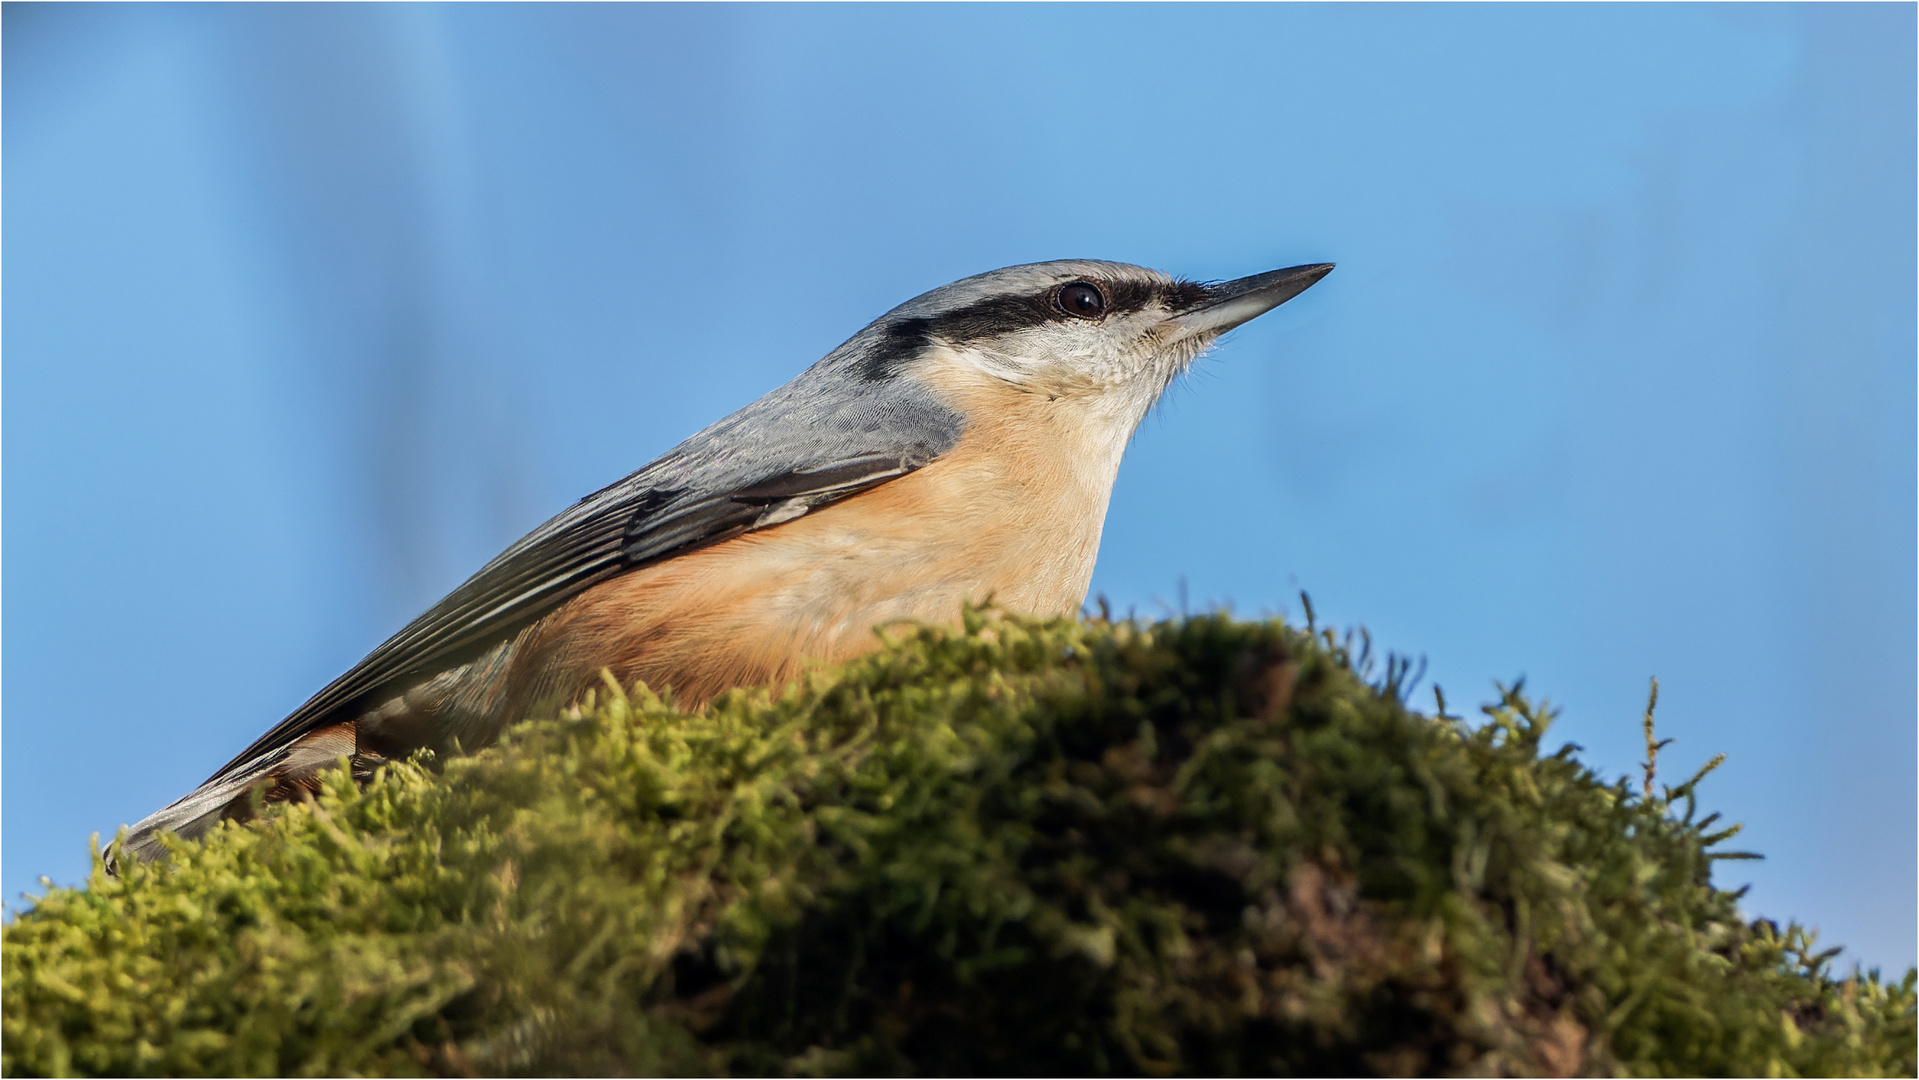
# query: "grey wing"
814,441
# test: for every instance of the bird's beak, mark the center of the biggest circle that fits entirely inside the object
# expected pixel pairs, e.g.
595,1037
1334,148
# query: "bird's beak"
1231,303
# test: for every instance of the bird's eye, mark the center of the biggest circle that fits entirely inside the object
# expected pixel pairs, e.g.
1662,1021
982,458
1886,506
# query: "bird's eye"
1082,300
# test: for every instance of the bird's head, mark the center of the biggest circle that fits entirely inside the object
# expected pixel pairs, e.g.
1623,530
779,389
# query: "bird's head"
1109,336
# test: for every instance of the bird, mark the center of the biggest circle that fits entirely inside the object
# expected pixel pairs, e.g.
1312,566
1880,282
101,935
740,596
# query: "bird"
962,448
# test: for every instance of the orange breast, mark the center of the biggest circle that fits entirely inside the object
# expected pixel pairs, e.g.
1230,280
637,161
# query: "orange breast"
1013,513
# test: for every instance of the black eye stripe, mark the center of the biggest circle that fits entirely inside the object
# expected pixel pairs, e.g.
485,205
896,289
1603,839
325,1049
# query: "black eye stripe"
995,316
903,338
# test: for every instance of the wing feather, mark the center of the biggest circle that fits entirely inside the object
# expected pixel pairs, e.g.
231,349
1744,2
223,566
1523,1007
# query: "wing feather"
793,451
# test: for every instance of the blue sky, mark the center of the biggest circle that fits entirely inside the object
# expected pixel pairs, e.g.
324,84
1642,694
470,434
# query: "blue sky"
308,311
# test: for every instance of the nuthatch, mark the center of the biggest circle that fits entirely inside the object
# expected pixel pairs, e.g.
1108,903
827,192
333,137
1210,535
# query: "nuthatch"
962,447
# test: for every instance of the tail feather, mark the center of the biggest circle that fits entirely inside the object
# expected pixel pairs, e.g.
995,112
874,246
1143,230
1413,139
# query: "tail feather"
200,809
289,772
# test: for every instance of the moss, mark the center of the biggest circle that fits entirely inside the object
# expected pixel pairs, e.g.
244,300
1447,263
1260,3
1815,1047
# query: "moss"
1194,847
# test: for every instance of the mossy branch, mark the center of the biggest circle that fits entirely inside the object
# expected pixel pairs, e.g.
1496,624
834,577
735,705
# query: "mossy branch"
1201,846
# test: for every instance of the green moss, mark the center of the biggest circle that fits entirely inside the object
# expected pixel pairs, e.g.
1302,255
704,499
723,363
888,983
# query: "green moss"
1060,847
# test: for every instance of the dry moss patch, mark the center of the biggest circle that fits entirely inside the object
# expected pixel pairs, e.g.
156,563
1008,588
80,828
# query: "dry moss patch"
1066,847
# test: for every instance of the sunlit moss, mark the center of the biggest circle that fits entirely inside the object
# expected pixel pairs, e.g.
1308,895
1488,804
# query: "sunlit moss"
1061,847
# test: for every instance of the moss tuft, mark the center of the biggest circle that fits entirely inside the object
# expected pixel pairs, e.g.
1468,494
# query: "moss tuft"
1052,847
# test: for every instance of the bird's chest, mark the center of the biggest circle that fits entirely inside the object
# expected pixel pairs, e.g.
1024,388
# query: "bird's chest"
1021,529
1011,515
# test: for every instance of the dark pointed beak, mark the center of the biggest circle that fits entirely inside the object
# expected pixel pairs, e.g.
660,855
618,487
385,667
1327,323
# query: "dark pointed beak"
1231,303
